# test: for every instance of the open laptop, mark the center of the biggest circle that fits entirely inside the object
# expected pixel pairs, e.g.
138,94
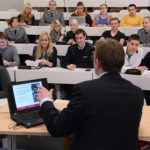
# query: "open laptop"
80,19
22,100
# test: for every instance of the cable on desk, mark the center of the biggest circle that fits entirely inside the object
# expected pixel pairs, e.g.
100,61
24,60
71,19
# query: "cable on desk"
15,126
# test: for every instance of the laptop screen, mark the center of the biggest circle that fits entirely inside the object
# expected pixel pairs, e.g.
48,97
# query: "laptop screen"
80,19
25,95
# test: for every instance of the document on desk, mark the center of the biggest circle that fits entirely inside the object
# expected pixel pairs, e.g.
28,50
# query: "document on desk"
146,73
33,63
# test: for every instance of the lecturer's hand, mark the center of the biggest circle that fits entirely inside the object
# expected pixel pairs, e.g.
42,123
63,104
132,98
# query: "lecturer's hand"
44,93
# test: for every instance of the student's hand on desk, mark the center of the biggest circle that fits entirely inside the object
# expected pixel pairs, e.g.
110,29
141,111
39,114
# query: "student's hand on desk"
44,93
12,42
46,62
71,66
71,41
142,68
5,63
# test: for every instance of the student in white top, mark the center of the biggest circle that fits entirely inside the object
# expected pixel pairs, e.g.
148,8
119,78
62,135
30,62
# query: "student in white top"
133,54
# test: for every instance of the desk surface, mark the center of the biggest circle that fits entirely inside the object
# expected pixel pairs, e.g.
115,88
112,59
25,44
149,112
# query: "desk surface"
55,75
144,129
6,122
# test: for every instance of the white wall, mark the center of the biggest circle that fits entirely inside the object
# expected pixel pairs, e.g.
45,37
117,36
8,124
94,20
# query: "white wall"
11,4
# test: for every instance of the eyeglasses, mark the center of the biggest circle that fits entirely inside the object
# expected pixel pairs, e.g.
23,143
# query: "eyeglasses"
103,8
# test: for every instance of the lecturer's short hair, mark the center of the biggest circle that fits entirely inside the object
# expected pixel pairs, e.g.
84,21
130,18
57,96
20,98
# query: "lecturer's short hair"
110,55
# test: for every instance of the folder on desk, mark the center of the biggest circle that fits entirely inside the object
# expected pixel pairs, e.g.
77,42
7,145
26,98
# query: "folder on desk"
23,105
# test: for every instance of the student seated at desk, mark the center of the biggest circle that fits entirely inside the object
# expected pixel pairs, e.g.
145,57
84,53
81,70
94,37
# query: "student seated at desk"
15,33
80,54
144,33
133,58
114,32
102,19
4,80
9,53
70,36
57,31
26,17
82,13
131,20
133,54
45,51
51,15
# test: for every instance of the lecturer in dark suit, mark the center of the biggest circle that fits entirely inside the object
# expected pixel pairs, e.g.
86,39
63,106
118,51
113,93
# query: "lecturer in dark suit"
15,33
103,114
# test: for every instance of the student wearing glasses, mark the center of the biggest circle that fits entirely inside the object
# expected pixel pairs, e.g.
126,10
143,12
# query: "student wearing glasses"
102,19
9,52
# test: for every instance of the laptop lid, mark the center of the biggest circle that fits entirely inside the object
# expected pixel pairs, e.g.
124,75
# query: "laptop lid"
80,19
22,96
23,58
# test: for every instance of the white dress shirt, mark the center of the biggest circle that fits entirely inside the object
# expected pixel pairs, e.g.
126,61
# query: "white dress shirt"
134,61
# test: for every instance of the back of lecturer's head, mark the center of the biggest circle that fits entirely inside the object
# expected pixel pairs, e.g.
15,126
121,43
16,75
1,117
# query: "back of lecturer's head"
110,55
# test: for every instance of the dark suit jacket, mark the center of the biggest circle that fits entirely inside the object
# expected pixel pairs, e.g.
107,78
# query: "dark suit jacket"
4,80
104,114
81,58
19,37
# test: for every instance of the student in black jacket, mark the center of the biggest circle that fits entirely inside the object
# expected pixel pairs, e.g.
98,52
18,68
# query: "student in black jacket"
80,54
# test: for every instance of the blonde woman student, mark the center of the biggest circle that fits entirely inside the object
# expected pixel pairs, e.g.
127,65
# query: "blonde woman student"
45,51
26,17
57,31
70,36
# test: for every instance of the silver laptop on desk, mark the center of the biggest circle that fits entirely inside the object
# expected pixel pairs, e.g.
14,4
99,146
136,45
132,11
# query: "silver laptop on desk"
80,19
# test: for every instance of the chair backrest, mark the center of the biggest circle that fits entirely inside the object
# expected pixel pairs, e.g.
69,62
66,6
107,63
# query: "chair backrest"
3,25
144,12
13,10
122,13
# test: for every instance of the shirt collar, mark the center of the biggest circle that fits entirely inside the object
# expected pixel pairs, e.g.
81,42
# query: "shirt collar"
98,77
82,47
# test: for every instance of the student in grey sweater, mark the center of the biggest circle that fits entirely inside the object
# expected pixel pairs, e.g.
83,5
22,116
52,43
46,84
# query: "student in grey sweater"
51,15
144,33
9,53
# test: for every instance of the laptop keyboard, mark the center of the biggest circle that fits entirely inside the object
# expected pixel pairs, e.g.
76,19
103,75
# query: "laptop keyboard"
29,119
29,116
